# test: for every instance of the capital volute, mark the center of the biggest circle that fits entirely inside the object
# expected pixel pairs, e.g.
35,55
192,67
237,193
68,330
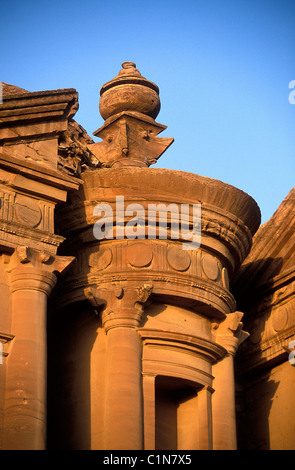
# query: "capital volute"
229,333
32,269
120,306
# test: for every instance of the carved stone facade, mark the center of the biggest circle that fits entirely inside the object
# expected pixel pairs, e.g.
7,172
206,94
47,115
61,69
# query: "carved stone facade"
265,289
133,341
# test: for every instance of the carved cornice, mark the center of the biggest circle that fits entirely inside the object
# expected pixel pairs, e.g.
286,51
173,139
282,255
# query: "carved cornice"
228,217
38,128
35,172
13,234
28,195
271,326
168,353
21,113
221,232
171,185
212,351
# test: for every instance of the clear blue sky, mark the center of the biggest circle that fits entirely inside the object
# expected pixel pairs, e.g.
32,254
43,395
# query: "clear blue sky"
223,68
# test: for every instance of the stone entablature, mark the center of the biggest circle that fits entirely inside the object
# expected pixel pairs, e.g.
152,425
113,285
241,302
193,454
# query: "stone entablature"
31,123
28,196
194,278
271,323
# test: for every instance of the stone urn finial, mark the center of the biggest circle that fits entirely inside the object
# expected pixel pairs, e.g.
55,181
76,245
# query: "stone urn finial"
129,68
129,91
129,104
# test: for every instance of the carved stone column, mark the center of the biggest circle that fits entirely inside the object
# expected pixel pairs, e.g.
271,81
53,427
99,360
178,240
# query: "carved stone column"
229,335
123,413
31,280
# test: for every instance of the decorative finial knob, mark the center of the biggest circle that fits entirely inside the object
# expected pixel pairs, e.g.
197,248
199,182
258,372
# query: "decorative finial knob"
129,104
129,69
127,65
129,91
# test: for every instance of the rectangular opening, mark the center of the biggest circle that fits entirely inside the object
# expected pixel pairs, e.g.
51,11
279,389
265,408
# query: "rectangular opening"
176,414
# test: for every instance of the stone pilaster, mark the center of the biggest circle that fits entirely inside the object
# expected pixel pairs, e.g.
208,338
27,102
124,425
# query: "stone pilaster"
32,278
229,335
123,412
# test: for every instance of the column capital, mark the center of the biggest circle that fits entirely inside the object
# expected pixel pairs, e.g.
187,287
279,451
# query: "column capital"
229,333
121,306
5,340
32,269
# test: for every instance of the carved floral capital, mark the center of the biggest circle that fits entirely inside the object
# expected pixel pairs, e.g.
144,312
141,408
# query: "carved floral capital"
121,306
32,269
229,333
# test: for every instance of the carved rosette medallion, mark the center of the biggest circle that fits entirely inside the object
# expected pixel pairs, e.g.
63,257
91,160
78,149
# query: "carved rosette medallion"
139,255
210,267
178,259
27,211
280,318
101,259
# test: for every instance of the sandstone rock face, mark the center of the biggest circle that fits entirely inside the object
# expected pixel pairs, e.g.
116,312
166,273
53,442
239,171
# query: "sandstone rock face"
125,288
264,288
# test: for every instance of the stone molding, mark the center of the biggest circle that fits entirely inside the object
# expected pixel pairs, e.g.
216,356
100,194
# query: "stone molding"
13,234
196,278
163,355
270,321
221,231
28,195
164,185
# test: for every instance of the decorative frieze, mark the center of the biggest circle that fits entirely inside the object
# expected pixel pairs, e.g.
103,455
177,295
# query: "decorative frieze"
172,270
